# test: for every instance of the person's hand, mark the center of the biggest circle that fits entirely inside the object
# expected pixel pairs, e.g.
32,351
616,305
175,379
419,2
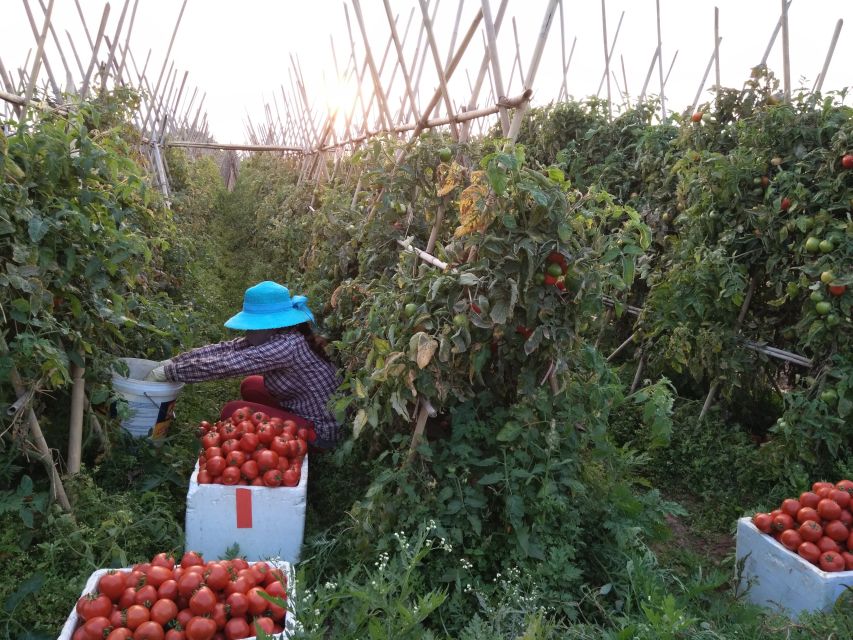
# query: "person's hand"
158,373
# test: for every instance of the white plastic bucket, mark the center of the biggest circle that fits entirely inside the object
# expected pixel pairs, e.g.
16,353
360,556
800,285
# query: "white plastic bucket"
151,404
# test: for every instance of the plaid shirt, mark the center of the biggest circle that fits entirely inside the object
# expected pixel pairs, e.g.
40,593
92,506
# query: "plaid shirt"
300,380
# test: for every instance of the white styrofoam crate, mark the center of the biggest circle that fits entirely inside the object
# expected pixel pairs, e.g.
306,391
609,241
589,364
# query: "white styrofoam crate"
216,519
290,623
777,578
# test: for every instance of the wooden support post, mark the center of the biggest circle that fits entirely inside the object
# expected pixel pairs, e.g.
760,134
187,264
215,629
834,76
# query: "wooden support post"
85,28
75,431
773,36
84,88
621,347
76,56
715,387
705,76
717,49
495,60
40,38
424,410
671,65
515,127
442,79
384,111
822,75
609,49
126,46
606,59
69,81
660,65
401,60
786,51
112,52
639,373
564,91
165,62
423,56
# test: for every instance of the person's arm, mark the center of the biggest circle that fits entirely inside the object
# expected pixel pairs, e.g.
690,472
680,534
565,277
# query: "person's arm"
229,359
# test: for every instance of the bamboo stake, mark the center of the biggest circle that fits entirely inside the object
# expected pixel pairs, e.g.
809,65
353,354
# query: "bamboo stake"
84,89
621,347
423,55
819,82
85,28
624,79
496,68
401,60
40,38
606,59
660,65
610,49
786,51
126,47
76,57
420,423
69,82
671,65
638,374
717,48
773,37
75,431
442,79
705,75
381,98
515,127
564,92
518,49
454,33
165,60
112,52
740,318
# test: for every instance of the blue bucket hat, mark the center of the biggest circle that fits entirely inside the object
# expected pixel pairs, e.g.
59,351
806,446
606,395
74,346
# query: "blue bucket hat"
268,305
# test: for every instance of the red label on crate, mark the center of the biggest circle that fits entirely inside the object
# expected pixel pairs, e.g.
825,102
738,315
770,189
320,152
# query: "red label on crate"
244,509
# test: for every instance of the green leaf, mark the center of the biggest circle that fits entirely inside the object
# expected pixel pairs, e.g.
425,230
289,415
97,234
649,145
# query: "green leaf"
628,270
509,432
468,279
359,422
499,311
37,228
491,478
29,586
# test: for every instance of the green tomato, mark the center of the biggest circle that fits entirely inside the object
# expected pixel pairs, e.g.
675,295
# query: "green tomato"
812,244
826,277
832,320
829,396
410,309
823,308
460,320
816,296
792,289
826,246
538,278
554,270
445,154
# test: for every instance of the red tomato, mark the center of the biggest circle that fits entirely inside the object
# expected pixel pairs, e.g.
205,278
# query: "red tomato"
205,477
259,417
189,582
96,606
238,585
828,509
238,564
820,485
836,530
831,561
136,615
790,506
847,161
279,445
111,585
272,478
163,610
157,575
216,576
249,470
257,603
277,424
827,544
149,631
846,518
199,628
848,561
168,589
291,478
289,426
267,459
211,439
184,616
790,539
117,618
228,446
807,513
163,560
191,559
80,634
127,598
216,465
96,626
249,442
276,588
219,615
146,596
239,604
120,633
845,485
175,634
246,426
840,496
837,290
265,433
237,628
809,551
229,431
212,452
782,522
230,476
203,601
241,414
811,531
264,623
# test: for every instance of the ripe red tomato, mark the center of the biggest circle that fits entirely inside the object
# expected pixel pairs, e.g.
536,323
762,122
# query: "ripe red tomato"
265,433
246,426
264,623
279,445
241,414
157,575
267,459
807,513
305,434
216,576
837,290
184,616
228,446
249,442
149,631
257,603
203,601
95,606
828,509
836,530
237,628
211,439
146,595
118,633
290,478
809,551
277,424
816,486
827,544
809,499
782,522
249,470
95,627
239,604
785,204
696,117
831,561
216,465
220,615
811,531
175,634
790,506
847,161
136,615
188,583
259,417
790,539
236,458
848,560
191,559
272,478
168,589
840,496
163,560
111,585
127,598
163,610
276,588
199,628
238,585
845,485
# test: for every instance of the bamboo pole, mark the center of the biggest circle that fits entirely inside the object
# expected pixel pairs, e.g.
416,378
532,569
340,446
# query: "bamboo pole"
442,79
495,60
709,400
606,59
669,71
627,98
786,51
515,127
610,48
51,78
112,52
126,47
423,56
76,56
773,37
75,431
40,38
660,65
84,89
564,92
717,49
705,75
165,60
518,49
819,82
69,81
401,60
381,98
85,27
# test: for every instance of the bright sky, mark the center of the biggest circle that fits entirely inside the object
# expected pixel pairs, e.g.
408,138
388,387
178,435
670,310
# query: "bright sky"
239,52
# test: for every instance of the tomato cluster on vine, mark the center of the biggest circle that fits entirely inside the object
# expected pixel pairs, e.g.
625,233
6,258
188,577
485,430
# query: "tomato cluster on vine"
818,525
252,449
187,600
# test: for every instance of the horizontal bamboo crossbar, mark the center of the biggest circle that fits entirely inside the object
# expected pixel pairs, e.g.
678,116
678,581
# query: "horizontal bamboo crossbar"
10,97
231,147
